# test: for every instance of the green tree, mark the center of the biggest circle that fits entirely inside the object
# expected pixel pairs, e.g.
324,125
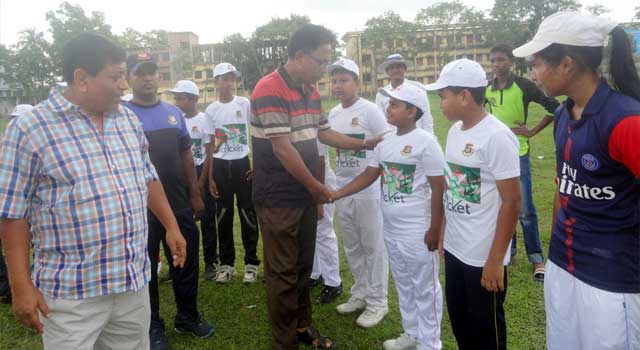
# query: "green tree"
597,9
31,65
637,16
270,40
132,38
449,12
240,52
67,22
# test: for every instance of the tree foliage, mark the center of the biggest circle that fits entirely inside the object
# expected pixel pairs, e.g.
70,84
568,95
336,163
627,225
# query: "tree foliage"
31,64
451,12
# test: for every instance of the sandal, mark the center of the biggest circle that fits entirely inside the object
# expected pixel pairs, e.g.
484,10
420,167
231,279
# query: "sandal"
311,336
538,274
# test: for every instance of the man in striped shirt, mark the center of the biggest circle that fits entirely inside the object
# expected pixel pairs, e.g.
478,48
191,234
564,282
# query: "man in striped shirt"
75,182
287,120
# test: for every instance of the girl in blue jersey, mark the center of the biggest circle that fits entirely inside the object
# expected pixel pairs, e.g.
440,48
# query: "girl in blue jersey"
592,284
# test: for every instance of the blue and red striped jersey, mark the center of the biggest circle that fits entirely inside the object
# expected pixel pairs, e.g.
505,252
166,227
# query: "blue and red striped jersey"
597,232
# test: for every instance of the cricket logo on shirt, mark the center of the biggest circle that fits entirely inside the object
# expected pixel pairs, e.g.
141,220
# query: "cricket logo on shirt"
468,150
354,122
231,138
196,148
172,120
397,180
348,158
464,183
406,151
238,114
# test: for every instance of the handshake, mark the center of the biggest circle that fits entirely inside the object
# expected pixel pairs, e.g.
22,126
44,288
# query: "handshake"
323,194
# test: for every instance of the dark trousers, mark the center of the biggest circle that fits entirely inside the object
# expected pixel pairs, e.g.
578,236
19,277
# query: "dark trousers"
5,291
208,225
185,280
289,238
477,315
231,179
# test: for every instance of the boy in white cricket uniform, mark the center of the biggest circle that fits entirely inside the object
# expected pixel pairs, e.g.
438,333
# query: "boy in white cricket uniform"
395,66
412,166
359,215
326,260
230,174
482,202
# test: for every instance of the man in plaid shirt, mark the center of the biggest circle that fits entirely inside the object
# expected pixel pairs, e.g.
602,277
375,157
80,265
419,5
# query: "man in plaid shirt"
75,182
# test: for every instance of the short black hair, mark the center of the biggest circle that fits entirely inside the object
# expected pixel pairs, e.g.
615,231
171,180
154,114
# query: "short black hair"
503,49
342,70
478,93
91,52
419,112
308,38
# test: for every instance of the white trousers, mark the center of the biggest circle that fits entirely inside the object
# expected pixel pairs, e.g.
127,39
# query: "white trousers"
580,316
360,221
326,260
118,321
415,272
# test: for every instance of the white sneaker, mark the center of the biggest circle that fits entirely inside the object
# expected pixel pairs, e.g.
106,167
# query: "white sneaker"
250,274
403,342
371,316
225,273
353,305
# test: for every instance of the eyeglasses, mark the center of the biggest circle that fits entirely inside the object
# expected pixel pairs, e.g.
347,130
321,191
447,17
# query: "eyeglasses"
319,62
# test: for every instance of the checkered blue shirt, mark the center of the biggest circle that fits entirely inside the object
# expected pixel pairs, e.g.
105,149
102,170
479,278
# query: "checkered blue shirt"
84,195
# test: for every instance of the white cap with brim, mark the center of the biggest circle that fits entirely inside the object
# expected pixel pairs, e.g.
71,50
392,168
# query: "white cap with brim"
391,59
568,28
345,64
21,109
224,68
460,73
186,87
408,93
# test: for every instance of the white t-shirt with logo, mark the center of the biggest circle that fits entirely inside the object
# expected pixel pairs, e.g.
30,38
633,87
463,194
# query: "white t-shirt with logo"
424,123
199,132
406,161
361,120
476,159
229,122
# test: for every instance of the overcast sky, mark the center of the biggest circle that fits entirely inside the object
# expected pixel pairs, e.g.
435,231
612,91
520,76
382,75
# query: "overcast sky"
212,20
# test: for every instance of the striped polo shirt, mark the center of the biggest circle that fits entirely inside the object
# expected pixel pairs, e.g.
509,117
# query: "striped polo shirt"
280,107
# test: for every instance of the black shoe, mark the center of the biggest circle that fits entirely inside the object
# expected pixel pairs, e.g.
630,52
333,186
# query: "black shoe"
198,327
329,294
210,271
312,283
157,339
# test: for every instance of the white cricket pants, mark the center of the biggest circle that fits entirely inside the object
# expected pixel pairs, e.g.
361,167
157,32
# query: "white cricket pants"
580,316
326,260
415,272
361,223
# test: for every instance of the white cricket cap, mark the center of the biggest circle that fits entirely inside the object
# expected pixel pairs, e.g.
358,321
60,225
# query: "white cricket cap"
224,68
568,28
461,73
409,93
346,64
187,87
394,58
21,109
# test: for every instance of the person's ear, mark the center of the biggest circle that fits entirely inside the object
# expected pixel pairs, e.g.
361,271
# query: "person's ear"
81,79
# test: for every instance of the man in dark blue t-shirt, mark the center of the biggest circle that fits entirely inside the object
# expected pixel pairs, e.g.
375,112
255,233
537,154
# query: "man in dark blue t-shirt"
170,152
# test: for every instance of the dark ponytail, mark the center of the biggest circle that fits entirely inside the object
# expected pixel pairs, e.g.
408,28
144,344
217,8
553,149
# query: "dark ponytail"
622,67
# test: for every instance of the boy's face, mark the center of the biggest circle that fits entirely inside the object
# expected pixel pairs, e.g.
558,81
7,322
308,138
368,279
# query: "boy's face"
452,104
343,85
396,71
144,81
226,82
501,64
185,103
398,114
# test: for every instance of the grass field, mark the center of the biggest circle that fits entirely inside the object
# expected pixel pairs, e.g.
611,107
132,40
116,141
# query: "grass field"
239,312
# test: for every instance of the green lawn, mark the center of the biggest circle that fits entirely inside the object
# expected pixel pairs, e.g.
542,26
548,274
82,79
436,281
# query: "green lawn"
239,311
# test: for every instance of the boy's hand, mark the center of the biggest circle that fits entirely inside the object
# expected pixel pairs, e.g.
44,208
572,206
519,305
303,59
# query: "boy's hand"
249,175
432,239
198,206
320,211
372,143
493,276
213,189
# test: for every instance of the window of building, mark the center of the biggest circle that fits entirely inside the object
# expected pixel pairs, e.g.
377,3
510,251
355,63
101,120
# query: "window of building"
197,74
322,86
184,44
420,61
366,77
209,73
366,59
430,61
164,56
165,76
380,83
